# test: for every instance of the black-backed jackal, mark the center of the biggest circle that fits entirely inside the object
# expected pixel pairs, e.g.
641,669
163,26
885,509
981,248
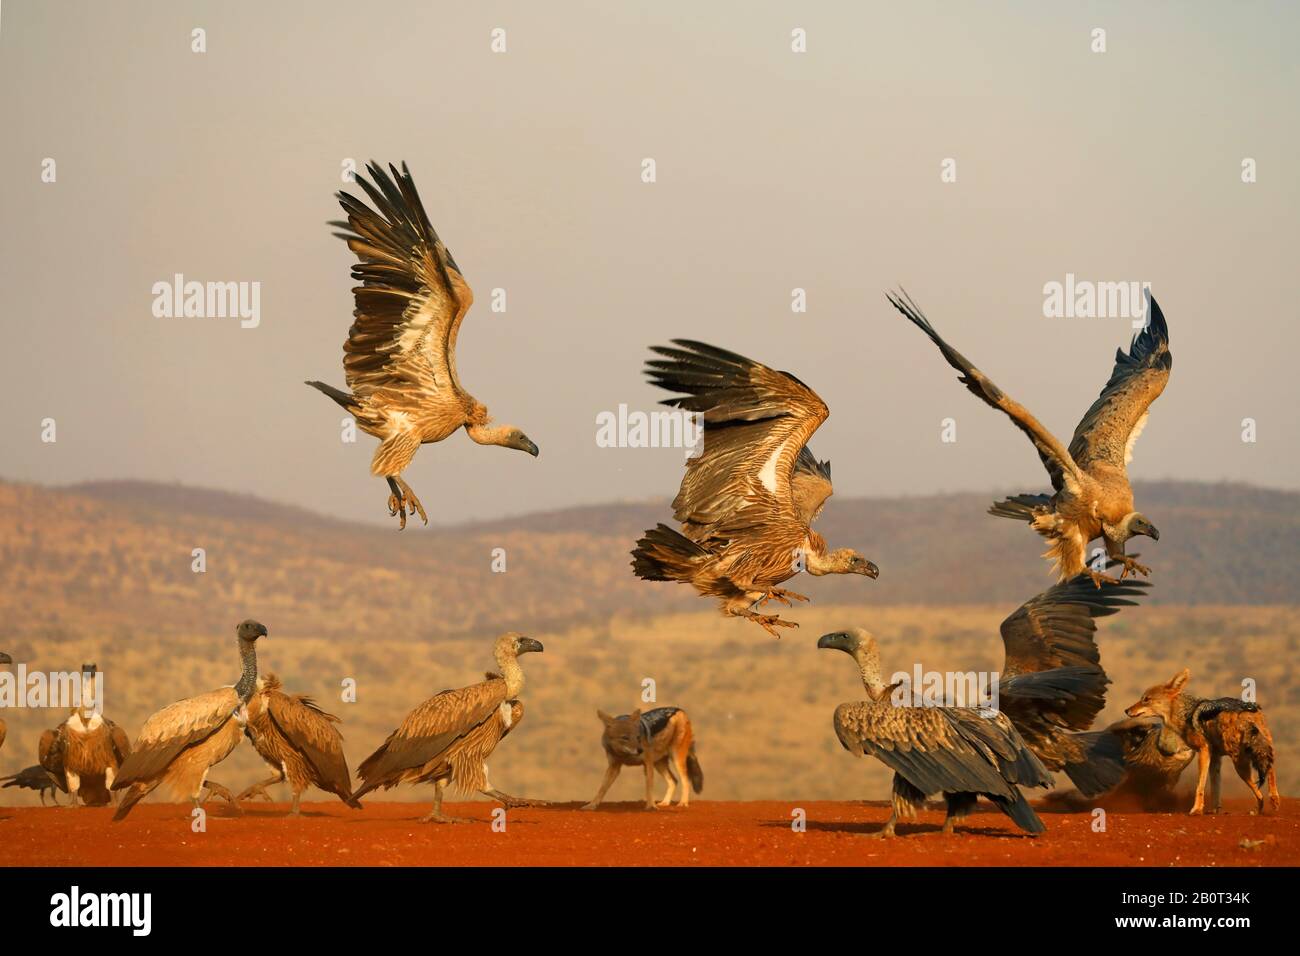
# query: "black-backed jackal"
1217,728
659,739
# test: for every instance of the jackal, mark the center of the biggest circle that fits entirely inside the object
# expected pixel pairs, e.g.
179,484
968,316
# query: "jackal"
657,739
1222,727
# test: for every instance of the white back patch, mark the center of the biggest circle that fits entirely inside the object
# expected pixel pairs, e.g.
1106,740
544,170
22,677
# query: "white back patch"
1133,437
507,713
767,474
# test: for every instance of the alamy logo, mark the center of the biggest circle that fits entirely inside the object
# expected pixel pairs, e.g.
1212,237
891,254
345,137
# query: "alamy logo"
922,688
180,299
75,908
61,689
657,429
1083,299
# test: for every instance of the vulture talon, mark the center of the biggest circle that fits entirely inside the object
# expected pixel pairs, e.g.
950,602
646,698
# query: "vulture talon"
443,818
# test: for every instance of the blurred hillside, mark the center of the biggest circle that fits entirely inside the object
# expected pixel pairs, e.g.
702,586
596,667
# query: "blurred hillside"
103,572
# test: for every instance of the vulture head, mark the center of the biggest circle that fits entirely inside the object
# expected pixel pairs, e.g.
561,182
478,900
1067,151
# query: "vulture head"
514,438
842,561
5,658
249,631
861,646
1136,523
511,644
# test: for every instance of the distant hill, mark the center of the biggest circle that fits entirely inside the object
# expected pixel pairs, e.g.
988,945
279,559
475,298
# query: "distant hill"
123,551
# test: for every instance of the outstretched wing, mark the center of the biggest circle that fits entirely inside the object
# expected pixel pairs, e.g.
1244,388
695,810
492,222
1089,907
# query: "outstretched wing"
1060,466
1112,425
942,749
431,728
412,296
756,423
1058,627
312,733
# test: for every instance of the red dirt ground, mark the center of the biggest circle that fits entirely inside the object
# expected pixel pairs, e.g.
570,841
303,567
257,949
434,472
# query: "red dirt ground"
707,834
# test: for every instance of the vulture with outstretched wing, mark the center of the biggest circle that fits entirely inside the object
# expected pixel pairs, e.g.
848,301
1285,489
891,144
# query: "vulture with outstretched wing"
299,741
448,738
748,500
1052,685
962,752
1093,497
400,357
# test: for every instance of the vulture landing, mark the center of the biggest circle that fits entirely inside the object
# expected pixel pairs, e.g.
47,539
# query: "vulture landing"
400,357
298,741
448,738
1092,496
179,745
960,752
748,500
85,752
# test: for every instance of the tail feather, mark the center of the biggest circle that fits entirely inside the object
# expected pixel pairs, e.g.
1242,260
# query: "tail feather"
1102,765
340,396
694,772
1019,810
1020,507
663,554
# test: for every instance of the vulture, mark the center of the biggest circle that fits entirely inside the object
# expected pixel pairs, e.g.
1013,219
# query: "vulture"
961,752
1052,685
84,752
748,500
179,744
34,778
1155,757
399,360
4,659
1092,496
299,741
449,737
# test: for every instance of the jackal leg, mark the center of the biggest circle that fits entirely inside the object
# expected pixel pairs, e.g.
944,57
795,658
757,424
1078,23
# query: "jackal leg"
611,773
1202,771
1216,779
666,771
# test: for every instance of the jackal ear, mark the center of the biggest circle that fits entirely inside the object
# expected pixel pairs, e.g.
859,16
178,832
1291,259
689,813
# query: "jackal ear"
1181,678
604,717
636,714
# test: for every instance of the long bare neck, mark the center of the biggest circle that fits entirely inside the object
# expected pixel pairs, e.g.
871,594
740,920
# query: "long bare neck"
248,678
869,668
489,434
513,674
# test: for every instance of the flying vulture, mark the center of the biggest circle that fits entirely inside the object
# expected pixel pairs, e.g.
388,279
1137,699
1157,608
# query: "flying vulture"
400,357
34,778
85,752
961,752
748,500
182,742
449,737
4,659
1052,685
1092,496
298,741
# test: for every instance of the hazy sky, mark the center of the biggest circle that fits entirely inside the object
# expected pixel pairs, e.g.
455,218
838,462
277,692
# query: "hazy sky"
775,170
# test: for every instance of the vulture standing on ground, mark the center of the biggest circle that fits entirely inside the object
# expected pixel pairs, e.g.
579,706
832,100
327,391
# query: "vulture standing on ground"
1092,497
34,778
748,500
961,752
4,659
85,751
1052,682
179,745
448,738
400,357
299,741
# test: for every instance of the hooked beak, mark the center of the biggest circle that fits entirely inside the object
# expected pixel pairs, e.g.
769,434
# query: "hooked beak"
837,640
870,570
530,447
526,645
1153,532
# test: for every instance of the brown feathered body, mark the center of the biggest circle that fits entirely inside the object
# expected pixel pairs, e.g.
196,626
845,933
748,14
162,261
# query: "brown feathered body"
85,752
1092,497
1156,758
297,738
748,499
448,737
179,744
